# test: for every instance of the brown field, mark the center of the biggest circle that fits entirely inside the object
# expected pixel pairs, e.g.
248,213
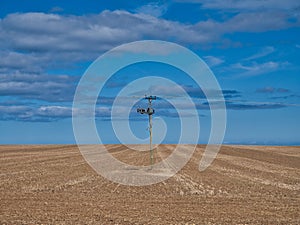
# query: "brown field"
52,184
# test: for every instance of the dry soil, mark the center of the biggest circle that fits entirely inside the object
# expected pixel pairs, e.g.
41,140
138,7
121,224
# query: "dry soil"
52,184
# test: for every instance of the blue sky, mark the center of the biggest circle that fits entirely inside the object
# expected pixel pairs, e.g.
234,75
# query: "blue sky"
251,46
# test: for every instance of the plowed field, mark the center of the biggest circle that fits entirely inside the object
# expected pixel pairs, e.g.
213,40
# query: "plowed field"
52,184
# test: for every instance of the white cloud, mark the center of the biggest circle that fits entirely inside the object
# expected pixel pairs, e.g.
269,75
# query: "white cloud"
246,5
38,114
49,39
54,111
264,52
213,61
40,32
26,63
153,9
56,88
46,113
257,22
34,42
255,69
150,48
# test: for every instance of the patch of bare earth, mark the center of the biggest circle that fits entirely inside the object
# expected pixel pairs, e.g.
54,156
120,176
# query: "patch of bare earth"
244,185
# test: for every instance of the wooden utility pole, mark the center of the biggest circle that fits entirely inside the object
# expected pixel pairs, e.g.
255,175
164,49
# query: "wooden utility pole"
149,112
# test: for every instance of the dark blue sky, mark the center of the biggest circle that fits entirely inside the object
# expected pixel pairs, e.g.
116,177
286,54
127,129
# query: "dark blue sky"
251,46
